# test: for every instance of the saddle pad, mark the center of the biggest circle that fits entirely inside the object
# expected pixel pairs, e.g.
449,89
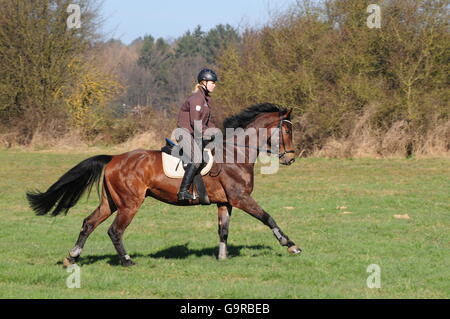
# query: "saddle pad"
173,167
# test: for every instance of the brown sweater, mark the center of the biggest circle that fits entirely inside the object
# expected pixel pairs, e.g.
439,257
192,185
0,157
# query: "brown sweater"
196,108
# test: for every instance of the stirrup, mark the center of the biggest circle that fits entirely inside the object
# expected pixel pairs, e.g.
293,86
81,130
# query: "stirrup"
185,195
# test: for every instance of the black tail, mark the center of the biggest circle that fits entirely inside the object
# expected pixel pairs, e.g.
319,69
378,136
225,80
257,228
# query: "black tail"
70,187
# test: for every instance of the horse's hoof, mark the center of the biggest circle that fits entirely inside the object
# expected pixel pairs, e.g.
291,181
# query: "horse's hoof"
127,263
68,261
222,257
223,251
294,250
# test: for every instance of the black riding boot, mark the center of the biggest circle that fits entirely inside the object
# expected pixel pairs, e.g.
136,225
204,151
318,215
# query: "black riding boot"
189,174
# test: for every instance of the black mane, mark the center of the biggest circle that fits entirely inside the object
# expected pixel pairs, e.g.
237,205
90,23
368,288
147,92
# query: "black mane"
247,116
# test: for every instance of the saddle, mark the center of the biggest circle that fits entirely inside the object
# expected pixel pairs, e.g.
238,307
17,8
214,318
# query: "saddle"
173,167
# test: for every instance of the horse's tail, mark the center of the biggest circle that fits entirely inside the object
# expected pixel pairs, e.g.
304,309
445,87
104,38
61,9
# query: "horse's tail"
70,187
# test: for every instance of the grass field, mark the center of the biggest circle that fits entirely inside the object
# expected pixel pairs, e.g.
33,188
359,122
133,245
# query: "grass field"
340,212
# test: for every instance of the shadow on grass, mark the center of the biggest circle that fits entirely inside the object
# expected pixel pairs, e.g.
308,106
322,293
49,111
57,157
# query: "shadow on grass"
178,252
111,259
183,252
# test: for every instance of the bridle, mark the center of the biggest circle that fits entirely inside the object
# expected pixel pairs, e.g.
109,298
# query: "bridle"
280,155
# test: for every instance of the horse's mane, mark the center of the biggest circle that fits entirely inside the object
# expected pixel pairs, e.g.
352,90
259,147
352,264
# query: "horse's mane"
247,116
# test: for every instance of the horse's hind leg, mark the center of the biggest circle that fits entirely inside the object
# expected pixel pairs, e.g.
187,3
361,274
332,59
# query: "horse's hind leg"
115,232
89,224
224,214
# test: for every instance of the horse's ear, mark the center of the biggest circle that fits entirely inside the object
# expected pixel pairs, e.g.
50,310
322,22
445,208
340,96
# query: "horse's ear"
287,115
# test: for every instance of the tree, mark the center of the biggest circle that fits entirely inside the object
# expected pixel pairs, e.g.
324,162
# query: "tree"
37,49
190,44
340,75
157,58
217,40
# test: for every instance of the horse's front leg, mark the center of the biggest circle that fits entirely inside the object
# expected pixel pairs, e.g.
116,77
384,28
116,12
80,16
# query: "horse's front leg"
250,206
224,214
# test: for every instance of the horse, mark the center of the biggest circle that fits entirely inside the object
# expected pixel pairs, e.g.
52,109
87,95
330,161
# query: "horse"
130,177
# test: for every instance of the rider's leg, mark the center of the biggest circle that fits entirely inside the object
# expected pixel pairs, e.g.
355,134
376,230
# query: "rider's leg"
190,169
189,173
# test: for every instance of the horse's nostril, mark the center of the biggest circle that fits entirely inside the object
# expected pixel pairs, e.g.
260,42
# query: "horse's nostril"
291,161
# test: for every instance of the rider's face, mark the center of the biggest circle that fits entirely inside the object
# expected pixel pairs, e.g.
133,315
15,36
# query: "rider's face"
210,85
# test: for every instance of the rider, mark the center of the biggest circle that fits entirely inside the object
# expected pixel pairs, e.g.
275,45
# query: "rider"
197,107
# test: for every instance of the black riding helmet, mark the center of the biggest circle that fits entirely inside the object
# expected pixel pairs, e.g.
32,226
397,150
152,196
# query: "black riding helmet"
207,75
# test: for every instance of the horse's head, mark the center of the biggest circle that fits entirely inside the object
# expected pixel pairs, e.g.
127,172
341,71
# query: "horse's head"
281,138
277,123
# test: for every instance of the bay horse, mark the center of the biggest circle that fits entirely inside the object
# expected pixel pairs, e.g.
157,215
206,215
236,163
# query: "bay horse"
131,177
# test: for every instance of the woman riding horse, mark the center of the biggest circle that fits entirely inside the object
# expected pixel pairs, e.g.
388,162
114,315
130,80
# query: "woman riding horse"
197,107
132,176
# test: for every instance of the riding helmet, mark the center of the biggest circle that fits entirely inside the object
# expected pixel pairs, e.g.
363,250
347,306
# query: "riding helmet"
207,75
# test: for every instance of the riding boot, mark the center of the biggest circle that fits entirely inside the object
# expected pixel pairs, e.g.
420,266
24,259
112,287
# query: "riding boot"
189,174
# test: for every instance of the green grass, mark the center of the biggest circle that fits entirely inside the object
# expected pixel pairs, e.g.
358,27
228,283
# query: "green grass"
175,247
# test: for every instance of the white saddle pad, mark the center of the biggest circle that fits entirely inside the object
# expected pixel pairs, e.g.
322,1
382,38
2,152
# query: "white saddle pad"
173,166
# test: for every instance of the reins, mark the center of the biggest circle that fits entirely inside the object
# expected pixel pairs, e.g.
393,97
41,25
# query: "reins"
280,155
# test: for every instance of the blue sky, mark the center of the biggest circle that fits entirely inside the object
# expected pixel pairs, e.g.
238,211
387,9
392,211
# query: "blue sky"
127,20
